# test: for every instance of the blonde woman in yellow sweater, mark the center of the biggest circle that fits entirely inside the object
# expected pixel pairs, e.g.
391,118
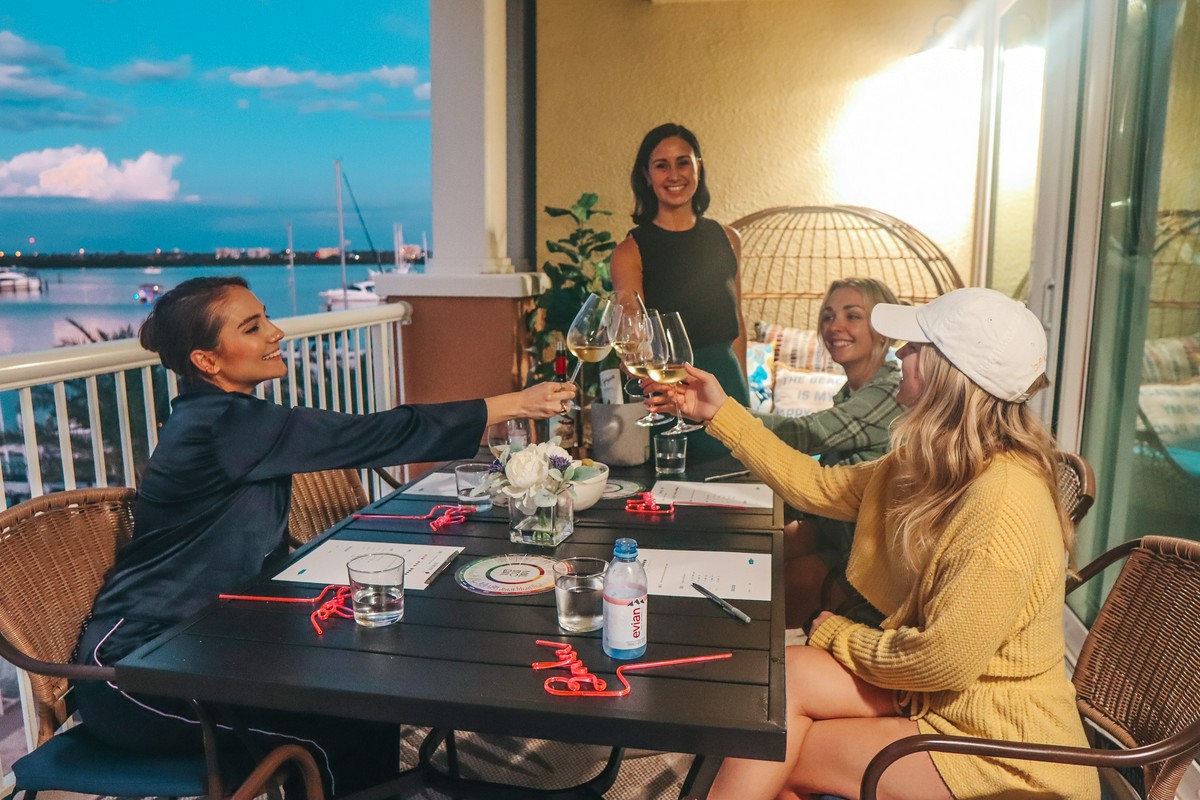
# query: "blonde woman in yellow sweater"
960,541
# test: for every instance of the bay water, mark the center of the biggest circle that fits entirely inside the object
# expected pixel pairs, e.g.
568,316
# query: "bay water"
104,300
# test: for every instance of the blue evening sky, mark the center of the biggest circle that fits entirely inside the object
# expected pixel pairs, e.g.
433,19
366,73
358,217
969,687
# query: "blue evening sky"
194,124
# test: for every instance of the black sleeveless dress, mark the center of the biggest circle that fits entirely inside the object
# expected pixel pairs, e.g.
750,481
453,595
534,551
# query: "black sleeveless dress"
694,272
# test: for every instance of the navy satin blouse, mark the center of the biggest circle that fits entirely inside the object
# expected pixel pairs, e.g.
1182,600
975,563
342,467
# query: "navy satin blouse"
213,503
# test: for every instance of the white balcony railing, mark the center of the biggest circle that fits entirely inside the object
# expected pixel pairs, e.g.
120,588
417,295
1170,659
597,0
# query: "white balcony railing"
89,415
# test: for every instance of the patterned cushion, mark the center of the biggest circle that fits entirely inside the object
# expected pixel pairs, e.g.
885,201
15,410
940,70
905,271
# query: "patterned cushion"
800,392
1174,412
760,375
1171,360
802,349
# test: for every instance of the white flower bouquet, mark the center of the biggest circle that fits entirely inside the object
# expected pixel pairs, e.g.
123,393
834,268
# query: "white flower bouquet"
532,476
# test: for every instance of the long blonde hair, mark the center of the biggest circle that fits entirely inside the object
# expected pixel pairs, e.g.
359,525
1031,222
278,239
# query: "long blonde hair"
946,440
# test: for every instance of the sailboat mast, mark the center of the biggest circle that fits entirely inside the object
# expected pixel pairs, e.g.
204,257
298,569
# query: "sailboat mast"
337,177
291,269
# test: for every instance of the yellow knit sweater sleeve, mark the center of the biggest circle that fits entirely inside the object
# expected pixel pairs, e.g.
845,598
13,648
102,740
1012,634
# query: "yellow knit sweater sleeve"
834,492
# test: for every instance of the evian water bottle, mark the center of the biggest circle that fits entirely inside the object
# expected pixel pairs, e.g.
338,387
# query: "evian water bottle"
625,603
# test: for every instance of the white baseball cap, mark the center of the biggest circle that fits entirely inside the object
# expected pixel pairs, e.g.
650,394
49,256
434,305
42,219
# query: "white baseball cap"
994,340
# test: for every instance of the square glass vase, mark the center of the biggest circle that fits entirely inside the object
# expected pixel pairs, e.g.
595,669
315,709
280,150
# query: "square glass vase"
542,526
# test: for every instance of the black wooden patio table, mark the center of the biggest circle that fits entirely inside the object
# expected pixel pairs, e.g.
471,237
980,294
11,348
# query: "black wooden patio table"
461,660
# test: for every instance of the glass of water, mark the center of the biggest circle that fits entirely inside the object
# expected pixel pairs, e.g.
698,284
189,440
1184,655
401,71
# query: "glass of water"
377,588
579,593
670,454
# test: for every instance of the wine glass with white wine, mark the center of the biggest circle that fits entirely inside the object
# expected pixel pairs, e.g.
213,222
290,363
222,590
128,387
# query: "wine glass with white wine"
638,358
590,337
672,349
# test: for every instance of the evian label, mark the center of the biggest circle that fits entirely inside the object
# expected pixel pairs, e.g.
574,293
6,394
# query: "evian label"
625,622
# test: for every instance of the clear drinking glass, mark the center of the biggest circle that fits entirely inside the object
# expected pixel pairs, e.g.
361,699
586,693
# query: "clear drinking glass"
377,588
672,349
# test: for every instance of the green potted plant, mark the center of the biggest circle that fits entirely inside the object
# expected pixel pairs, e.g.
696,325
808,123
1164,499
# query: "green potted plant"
580,269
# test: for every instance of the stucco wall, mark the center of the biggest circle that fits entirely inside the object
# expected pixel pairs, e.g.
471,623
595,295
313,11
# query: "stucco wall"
1181,148
795,103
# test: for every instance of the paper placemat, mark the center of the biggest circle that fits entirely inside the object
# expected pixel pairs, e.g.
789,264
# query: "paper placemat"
733,576
436,484
693,493
326,564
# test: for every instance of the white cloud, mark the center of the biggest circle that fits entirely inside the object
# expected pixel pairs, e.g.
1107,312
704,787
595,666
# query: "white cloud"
142,71
87,173
16,49
395,76
423,91
278,77
281,77
15,81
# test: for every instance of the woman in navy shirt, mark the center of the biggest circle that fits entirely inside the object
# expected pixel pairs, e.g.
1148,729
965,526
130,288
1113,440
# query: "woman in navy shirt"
213,503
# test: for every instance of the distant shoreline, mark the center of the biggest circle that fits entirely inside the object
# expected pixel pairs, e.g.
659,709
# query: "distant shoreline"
52,261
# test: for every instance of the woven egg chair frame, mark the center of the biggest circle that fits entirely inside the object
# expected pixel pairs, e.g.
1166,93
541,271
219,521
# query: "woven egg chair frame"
791,254
1175,275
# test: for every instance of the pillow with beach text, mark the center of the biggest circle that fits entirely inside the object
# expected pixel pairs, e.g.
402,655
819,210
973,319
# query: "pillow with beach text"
800,392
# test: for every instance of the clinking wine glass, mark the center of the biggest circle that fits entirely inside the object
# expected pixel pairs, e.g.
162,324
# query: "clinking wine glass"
638,361
590,336
672,349
631,337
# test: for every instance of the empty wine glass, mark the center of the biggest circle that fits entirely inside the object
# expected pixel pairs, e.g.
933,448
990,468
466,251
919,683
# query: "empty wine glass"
590,336
503,435
672,349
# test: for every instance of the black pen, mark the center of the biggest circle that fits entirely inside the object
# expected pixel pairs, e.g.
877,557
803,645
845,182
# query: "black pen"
728,609
726,476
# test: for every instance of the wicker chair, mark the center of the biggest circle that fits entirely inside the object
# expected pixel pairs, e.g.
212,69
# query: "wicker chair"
320,500
1076,485
791,254
1137,678
60,546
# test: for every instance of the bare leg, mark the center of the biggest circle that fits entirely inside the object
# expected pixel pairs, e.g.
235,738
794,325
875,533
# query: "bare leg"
829,710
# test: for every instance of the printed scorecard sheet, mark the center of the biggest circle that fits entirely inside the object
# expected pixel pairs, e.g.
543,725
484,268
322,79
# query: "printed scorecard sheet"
693,493
327,563
733,576
435,484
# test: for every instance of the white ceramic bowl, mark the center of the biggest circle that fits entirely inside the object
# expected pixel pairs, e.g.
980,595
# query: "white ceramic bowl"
588,492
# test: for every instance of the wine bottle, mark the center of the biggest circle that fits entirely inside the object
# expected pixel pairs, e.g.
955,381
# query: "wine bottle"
566,425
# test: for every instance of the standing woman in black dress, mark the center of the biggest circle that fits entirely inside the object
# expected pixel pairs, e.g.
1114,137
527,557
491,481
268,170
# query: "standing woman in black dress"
680,260
212,512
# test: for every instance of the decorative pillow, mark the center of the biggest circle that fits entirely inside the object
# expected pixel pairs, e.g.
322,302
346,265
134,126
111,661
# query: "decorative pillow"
802,349
800,392
1174,412
1171,360
760,374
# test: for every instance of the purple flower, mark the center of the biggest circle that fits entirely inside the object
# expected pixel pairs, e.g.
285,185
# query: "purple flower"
495,467
559,463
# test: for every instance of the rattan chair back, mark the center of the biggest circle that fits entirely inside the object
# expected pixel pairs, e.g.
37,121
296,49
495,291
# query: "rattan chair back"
54,553
791,254
1076,485
322,499
1137,678
1138,674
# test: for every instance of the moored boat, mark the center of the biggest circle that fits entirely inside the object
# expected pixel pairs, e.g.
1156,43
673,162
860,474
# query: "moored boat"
356,295
19,280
